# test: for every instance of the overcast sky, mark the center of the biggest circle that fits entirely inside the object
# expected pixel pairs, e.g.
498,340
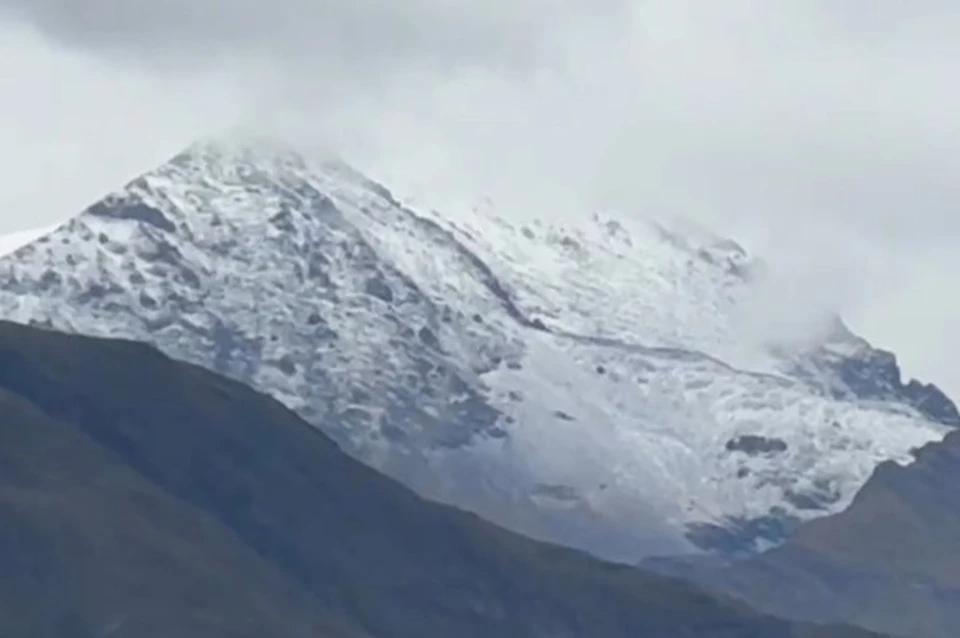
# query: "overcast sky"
822,133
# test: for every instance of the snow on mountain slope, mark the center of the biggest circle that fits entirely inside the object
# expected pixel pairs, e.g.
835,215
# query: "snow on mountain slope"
584,383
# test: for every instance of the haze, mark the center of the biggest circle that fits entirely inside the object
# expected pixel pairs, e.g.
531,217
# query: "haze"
821,134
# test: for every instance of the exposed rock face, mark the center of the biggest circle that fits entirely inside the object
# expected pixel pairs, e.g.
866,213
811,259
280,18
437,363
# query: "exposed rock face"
871,374
889,562
462,353
752,445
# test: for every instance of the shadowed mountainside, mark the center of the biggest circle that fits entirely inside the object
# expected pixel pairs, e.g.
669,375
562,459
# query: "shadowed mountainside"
140,496
889,562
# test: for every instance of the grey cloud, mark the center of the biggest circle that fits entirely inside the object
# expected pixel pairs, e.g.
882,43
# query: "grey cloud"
824,133
375,34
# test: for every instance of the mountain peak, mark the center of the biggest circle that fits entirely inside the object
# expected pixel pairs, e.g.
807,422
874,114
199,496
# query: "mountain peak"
239,150
587,381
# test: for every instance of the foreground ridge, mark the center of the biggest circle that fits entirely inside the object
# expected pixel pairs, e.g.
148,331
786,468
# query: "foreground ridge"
148,497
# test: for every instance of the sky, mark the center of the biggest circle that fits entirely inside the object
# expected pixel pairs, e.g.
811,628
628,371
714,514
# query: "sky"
822,134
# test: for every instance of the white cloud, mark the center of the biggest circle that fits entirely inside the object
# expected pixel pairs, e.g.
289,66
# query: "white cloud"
73,128
824,134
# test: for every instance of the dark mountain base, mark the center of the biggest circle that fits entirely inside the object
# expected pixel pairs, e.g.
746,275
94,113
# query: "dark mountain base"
889,562
144,497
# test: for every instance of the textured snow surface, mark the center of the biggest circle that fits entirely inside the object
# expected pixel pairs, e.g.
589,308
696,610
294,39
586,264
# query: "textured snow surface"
585,383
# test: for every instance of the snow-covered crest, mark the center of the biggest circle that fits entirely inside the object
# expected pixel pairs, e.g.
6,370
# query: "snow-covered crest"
583,381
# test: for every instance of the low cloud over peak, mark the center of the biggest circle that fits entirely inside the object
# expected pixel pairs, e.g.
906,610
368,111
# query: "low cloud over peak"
823,133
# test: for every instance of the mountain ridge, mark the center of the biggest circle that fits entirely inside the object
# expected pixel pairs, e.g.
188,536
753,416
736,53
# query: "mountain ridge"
143,496
887,562
573,382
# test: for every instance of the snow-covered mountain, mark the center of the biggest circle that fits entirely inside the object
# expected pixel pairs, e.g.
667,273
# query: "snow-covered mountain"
585,382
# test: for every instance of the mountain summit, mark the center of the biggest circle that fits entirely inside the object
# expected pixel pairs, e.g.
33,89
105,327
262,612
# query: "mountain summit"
586,382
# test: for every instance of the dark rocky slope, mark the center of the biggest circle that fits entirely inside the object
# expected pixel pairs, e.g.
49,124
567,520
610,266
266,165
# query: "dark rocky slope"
89,547
890,562
144,497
